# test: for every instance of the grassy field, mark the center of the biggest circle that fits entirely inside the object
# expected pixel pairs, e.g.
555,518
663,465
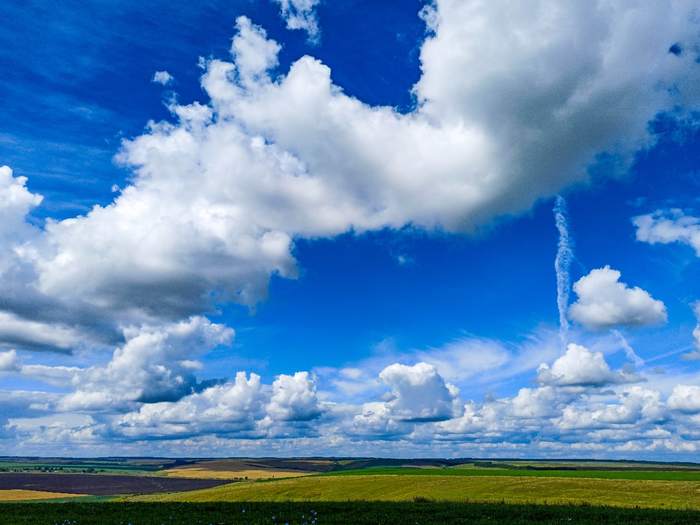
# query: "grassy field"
413,513
668,475
535,490
27,495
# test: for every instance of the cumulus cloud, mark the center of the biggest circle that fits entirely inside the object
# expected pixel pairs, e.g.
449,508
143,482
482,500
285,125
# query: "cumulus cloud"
244,407
685,398
605,302
155,364
669,226
580,367
419,393
294,398
226,408
636,404
219,193
162,77
301,14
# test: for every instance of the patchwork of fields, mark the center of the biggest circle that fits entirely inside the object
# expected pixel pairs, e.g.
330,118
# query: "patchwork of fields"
455,487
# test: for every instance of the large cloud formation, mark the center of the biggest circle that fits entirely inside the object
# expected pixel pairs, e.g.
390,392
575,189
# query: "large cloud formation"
504,116
509,109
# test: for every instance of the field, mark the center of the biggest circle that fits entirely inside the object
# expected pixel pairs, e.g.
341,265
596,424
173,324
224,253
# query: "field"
366,513
345,490
28,495
100,485
249,469
536,490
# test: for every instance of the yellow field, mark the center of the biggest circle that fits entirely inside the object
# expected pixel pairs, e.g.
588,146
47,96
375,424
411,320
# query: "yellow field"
251,474
25,495
622,493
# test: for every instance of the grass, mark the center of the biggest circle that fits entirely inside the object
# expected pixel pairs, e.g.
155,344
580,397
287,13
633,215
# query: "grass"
668,475
359,513
25,495
523,490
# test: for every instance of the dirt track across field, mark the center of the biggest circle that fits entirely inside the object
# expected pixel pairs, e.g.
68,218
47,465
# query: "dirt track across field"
102,485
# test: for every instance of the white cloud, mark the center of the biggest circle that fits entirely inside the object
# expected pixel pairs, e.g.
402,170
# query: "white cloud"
32,334
244,407
301,14
580,367
229,407
685,398
218,195
605,302
294,398
535,402
8,361
155,364
420,393
669,226
162,77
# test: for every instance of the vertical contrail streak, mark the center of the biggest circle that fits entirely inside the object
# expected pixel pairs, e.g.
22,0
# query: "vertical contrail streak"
561,266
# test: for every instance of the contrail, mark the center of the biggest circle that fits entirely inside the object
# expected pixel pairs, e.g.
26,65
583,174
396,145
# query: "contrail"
562,262
629,351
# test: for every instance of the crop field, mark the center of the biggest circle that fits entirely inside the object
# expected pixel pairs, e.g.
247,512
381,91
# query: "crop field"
242,469
539,490
320,513
28,495
99,485
314,491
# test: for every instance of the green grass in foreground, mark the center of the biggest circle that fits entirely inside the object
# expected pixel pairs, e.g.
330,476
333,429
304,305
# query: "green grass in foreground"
359,513
526,490
669,475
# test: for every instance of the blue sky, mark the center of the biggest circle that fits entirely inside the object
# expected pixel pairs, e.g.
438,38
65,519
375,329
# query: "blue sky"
358,212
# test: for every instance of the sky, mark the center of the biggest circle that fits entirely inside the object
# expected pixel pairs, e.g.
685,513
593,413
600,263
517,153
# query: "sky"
300,227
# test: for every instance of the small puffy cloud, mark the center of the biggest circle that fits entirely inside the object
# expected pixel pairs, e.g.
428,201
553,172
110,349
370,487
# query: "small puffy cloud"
535,402
294,398
301,14
669,226
605,302
685,398
253,53
8,361
162,77
420,393
579,367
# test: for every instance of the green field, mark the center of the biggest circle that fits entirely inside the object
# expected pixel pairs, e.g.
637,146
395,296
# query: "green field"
668,475
514,489
365,513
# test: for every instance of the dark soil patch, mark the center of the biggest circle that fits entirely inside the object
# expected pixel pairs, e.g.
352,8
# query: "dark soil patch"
102,484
